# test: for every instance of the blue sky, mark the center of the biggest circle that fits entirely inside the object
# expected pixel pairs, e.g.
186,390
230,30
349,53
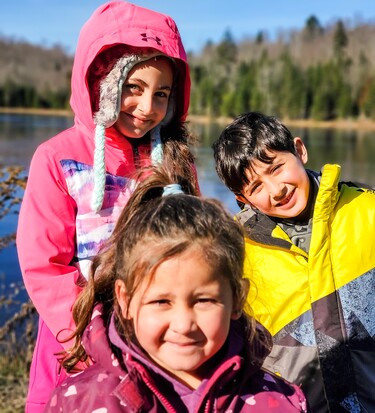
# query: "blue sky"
48,22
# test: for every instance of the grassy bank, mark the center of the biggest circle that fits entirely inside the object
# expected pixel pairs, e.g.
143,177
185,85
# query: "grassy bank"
18,319
34,111
349,124
17,338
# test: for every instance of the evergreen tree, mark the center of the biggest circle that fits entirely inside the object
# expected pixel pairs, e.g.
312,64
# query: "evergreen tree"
245,85
259,37
340,39
344,102
368,104
207,94
312,28
292,91
228,103
198,74
227,52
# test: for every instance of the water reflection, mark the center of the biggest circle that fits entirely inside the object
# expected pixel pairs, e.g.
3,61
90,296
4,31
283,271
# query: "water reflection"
353,150
21,134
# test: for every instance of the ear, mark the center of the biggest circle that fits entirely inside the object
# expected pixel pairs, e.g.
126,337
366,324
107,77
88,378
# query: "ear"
238,307
122,298
242,199
301,150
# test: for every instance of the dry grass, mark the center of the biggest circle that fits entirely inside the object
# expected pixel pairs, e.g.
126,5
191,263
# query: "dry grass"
17,337
18,328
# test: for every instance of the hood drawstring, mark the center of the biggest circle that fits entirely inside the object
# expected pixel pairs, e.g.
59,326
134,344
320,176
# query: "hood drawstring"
107,115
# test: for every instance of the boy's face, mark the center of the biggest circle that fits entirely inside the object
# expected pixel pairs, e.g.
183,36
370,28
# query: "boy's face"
279,189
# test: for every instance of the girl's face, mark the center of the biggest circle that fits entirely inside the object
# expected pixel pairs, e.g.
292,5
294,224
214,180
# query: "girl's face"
145,96
281,188
181,317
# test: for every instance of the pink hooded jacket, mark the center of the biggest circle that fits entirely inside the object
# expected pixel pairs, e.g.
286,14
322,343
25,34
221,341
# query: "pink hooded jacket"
58,232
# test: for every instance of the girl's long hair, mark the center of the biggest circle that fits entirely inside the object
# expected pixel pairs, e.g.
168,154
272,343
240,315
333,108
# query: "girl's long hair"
151,229
177,142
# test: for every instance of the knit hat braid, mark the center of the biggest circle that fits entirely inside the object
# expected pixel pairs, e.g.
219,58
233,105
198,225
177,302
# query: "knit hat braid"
107,114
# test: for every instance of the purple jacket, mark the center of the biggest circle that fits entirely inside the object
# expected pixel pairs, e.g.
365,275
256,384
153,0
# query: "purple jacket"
129,382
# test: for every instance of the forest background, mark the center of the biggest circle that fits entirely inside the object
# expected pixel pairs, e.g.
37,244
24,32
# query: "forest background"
318,72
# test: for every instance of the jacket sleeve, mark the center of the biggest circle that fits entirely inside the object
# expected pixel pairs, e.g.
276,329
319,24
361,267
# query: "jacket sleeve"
46,243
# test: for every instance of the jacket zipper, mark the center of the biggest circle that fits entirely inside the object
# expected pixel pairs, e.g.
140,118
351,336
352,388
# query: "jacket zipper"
157,393
136,156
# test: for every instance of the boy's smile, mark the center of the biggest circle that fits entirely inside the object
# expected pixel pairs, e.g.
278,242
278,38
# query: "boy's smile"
285,199
281,188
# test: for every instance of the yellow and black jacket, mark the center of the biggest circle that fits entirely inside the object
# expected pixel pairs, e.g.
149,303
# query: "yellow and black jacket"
320,306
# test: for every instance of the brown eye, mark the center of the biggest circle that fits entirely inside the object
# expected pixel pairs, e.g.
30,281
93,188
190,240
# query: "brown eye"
254,188
277,167
132,87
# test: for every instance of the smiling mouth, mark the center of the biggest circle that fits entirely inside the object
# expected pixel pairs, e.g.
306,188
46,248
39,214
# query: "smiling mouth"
140,120
137,119
285,200
191,343
182,345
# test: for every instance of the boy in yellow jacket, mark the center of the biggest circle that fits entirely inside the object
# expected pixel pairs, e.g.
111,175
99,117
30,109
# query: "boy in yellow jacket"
310,259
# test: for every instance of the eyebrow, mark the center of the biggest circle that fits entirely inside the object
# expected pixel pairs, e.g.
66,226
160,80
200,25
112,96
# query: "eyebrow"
267,170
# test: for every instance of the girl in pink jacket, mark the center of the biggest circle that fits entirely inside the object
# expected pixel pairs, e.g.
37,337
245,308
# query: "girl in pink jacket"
130,96
162,319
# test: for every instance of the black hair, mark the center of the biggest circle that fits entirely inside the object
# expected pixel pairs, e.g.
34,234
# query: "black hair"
250,136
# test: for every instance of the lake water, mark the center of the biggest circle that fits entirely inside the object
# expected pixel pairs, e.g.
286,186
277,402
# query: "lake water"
21,134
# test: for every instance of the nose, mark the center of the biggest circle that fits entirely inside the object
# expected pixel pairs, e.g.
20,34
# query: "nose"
277,190
145,104
182,321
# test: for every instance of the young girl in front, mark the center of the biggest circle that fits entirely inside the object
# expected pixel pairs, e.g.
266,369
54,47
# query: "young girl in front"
130,97
162,320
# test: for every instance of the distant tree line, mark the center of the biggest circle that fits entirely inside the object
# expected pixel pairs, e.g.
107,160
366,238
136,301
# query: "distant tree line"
318,72
32,76
13,95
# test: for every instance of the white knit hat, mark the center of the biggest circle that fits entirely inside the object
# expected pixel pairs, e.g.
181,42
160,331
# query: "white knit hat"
107,114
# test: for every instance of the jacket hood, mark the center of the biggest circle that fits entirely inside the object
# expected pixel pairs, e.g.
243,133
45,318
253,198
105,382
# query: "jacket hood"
122,23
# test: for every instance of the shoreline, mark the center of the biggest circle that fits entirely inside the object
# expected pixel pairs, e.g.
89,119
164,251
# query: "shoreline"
36,111
351,124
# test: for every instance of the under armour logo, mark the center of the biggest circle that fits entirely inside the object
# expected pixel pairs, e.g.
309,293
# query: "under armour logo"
146,38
